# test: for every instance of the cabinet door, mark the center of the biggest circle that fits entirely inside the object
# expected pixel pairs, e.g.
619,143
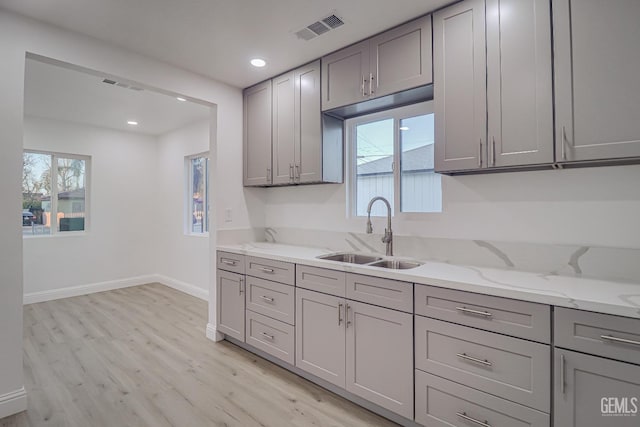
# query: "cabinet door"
308,127
379,356
230,304
593,392
284,118
320,338
401,58
257,134
460,88
345,76
519,89
596,79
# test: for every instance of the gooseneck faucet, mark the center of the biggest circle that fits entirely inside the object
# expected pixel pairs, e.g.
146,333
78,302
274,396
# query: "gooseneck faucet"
388,234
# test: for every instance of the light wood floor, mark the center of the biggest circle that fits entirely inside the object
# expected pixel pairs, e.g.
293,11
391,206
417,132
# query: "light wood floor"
139,357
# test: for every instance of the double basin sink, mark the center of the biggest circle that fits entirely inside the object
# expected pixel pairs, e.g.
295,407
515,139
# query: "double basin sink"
371,261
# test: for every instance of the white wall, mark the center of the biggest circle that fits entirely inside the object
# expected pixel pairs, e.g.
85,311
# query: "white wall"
590,206
181,258
120,242
19,36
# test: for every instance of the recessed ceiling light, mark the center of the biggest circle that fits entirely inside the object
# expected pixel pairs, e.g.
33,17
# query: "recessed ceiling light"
257,62
404,128
181,99
132,123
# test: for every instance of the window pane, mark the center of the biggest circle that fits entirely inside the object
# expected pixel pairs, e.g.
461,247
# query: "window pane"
71,194
36,194
421,190
198,179
374,173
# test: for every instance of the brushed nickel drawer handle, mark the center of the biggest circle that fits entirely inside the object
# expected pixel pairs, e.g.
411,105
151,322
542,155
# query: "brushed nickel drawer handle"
563,383
227,262
470,311
484,362
464,416
620,340
266,298
241,286
267,270
267,336
340,314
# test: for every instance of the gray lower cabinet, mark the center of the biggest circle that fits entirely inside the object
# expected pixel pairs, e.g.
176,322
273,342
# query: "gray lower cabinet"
379,357
320,339
596,79
360,347
493,85
271,336
257,135
443,403
592,391
230,311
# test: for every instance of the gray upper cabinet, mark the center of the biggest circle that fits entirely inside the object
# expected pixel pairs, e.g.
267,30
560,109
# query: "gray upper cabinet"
391,62
581,384
379,357
230,296
493,85
519,83
257,135
308,134
596,79
283,137
460,92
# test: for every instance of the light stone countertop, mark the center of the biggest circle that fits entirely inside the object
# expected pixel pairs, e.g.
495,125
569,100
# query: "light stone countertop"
581,293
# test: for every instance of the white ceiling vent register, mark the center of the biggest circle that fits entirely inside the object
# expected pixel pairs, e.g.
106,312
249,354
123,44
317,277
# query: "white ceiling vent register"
124,85
320,27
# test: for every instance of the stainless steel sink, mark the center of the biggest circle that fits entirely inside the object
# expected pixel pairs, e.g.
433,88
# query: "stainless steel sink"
351,258
395,264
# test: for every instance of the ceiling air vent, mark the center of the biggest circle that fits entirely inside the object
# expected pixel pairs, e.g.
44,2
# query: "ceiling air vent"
109,81
319,27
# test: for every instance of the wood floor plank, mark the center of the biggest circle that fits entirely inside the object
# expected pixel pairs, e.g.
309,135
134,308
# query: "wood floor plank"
138,357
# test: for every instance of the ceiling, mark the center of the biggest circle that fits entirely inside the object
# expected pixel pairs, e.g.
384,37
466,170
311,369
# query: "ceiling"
60,93
217,38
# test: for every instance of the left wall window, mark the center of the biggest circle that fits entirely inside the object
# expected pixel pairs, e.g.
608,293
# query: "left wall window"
198,194
54,193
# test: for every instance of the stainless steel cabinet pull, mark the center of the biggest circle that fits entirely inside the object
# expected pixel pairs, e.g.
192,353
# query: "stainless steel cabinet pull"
339,314
473,359
241,286
267,270
362,86
269,178
562,381
266,335
290,171
346,314
563,153
226,261
370,83
464,416
266,298
480,154
493,151
297,174
620,340
470,311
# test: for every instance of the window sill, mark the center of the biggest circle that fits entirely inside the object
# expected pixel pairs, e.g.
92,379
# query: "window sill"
64,234
197,235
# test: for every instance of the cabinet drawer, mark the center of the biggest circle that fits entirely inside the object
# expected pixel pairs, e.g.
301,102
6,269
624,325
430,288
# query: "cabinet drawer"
271,299
321,279
605,335
278,271
506,367
383,292
230,262
271,336
506,316
444,403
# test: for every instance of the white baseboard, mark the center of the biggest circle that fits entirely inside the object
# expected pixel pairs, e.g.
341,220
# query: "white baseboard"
213,334
74,291
187,288
13,402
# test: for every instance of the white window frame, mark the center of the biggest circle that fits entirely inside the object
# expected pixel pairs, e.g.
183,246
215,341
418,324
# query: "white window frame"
54,193
189,194
396,114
